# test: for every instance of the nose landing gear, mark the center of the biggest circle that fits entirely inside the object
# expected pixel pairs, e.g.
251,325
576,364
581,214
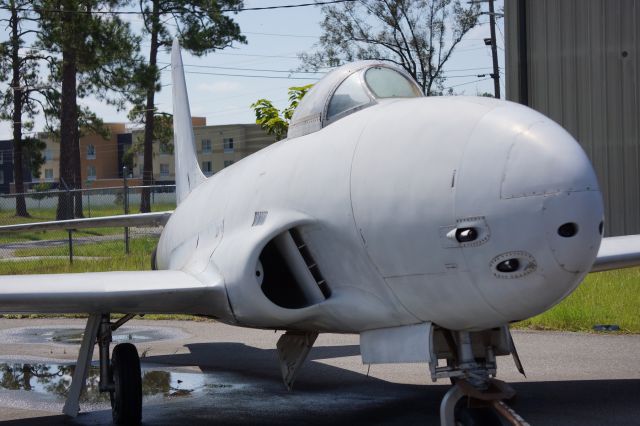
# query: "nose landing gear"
475,398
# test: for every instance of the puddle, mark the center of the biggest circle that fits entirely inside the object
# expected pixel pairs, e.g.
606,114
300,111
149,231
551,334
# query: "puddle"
54,380
73,336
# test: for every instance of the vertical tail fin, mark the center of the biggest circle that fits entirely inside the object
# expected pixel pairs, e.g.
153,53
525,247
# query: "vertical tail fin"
188,173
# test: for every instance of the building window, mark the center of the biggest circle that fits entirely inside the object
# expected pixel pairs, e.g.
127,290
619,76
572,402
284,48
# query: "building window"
91,173
48,174
1,157
228,144
164,149
91,152
227,163
206,168
206,146
164,170
48,156
1,177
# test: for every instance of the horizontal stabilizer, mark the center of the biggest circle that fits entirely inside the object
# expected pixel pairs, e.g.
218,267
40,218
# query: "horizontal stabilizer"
618,253
136,292
139,219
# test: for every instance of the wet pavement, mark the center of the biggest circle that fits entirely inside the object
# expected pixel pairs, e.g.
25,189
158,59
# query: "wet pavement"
199,373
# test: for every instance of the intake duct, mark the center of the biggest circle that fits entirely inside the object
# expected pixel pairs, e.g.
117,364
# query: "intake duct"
291,277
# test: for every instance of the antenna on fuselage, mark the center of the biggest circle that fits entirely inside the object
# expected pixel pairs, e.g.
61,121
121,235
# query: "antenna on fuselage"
188,173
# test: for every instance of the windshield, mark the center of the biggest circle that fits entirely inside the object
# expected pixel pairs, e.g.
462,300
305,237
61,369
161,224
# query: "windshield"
348,95
387,83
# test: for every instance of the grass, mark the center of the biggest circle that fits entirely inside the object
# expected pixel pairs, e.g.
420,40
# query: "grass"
603,298
111,249
7,217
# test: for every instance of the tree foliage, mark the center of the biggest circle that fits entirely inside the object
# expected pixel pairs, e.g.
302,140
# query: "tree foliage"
271,119
418,35
202,27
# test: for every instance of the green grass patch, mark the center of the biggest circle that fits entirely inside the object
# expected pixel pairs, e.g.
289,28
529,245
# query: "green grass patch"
133,262
17,237
7,217
603,298
111,248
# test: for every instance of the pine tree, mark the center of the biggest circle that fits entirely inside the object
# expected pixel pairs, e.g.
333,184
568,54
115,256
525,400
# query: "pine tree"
26,95
202,27
96,55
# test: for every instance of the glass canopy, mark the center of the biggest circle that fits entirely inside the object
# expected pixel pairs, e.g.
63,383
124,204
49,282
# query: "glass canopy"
348,89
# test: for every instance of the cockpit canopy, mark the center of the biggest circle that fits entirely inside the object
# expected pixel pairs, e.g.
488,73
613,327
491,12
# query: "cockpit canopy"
348,89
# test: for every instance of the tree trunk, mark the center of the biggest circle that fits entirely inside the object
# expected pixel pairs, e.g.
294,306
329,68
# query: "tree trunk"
18,99
149,123
68,132
77,174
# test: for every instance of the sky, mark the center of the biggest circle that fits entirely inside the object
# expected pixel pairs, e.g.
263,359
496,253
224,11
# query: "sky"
275,37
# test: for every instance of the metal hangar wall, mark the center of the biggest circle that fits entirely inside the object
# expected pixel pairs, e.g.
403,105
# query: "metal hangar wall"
577,61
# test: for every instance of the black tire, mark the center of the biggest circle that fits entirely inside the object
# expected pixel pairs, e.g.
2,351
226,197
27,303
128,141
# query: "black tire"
476,416
126,399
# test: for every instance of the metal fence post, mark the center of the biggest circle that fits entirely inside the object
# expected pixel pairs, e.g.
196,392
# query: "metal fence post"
70,245
71,214
125,202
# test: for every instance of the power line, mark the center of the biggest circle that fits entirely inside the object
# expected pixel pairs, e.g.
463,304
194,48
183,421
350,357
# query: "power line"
468,82
246,69
283,35
131,12
250,76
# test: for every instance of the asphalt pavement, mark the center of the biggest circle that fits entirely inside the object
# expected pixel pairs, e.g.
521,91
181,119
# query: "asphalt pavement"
199,373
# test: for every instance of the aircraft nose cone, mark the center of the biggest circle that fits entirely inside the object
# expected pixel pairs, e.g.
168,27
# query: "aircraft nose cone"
543,160
542,208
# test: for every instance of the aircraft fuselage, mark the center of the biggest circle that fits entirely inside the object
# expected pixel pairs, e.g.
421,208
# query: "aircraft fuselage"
378,199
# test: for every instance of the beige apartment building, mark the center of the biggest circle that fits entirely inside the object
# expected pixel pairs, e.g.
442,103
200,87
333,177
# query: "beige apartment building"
98,158
217,147
101,159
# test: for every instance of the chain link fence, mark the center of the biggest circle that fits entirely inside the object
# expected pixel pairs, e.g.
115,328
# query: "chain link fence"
80,250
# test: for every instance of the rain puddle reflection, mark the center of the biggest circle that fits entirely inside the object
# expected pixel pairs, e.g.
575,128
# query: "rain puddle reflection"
55,380
73,336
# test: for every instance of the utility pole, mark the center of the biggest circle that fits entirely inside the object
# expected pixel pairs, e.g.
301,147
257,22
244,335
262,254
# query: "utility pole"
494,51
495,75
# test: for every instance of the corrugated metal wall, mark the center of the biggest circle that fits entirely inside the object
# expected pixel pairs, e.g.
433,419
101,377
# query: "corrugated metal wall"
582,69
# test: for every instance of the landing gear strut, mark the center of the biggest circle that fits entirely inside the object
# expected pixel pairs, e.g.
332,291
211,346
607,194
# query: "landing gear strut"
476,398
121,377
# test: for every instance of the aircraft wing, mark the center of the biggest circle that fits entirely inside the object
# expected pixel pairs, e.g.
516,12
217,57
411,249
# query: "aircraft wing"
617,253
138,219
118,292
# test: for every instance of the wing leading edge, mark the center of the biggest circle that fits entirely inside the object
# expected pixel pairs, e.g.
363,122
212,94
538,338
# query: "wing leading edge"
617,253
138,219
136,292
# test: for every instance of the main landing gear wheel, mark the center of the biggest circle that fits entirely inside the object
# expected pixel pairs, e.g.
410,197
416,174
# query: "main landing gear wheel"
126,398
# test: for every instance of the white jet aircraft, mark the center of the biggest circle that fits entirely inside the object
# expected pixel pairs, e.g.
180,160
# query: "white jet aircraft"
426,225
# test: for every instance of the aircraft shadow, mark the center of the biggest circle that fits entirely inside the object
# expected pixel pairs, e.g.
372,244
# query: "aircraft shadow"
248,390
